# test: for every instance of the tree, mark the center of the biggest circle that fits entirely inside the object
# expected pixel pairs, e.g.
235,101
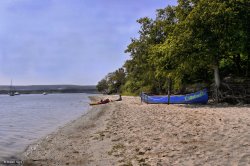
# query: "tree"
102,86
113,82
195,41
143,68
218,25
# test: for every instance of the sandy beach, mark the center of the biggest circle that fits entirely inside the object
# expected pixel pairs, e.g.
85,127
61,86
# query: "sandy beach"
129,132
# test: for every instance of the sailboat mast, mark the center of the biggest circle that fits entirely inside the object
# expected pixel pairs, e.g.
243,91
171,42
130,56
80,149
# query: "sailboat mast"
11,93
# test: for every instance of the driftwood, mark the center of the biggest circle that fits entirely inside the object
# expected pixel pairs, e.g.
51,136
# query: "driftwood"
232,91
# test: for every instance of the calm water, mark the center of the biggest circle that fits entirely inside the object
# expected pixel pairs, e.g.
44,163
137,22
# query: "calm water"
26,118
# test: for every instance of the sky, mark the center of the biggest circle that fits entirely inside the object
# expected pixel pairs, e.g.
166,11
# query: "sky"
67,41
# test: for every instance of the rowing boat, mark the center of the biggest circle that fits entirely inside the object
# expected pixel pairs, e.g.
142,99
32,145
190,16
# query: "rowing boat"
200,97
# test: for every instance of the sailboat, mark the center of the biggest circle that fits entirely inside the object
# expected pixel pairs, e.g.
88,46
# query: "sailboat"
17,93
11,92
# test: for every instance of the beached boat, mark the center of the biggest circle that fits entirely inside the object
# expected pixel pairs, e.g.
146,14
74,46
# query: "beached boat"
106,101
200,97
96,103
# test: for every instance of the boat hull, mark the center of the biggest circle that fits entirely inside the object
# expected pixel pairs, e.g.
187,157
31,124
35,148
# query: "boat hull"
200,97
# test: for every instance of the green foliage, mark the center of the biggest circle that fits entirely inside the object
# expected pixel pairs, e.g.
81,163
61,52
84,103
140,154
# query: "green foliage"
103,86
113,82
186,43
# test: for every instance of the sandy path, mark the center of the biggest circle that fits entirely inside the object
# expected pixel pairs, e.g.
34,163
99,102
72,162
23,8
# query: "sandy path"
131,133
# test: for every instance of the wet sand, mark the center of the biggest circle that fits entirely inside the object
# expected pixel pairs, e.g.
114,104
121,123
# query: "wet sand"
131,133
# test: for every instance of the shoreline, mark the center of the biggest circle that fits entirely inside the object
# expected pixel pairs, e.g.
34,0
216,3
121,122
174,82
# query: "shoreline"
27,119
85,118
131,133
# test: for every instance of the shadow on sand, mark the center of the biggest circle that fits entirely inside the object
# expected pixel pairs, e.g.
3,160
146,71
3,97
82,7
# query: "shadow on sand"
214,105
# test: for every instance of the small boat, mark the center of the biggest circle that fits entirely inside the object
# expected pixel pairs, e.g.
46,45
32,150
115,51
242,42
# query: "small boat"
101,102
106,101
200,97
16,93
44,93
11,94
96,103
11,91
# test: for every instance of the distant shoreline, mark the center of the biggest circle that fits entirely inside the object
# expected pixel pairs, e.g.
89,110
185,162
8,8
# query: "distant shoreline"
39,89
50,92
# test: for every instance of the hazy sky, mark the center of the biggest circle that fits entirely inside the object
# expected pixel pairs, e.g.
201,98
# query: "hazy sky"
67,41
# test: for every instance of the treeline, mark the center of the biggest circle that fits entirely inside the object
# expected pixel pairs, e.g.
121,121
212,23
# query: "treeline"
197,41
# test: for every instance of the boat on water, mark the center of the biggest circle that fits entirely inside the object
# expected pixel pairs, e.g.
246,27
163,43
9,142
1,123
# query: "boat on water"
200,97
16,93
44,93
11,94
12,90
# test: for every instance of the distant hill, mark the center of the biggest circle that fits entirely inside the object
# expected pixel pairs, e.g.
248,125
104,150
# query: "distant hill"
4,89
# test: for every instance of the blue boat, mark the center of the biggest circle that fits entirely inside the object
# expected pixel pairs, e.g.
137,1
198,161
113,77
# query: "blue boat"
200,97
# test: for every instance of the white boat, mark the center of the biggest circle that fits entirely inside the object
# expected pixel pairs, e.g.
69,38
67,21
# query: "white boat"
44,93
11,92
16,93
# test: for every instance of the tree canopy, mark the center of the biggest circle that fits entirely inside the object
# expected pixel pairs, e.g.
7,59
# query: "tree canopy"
195,41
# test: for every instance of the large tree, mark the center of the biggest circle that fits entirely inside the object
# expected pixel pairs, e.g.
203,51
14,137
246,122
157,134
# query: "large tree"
195,41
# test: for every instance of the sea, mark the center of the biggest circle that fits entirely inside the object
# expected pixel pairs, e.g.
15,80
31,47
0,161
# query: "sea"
25,119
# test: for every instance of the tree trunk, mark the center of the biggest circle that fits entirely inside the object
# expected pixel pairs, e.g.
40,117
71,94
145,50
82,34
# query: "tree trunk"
216,76
237,62
169,90
248,65
248,46
217,81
